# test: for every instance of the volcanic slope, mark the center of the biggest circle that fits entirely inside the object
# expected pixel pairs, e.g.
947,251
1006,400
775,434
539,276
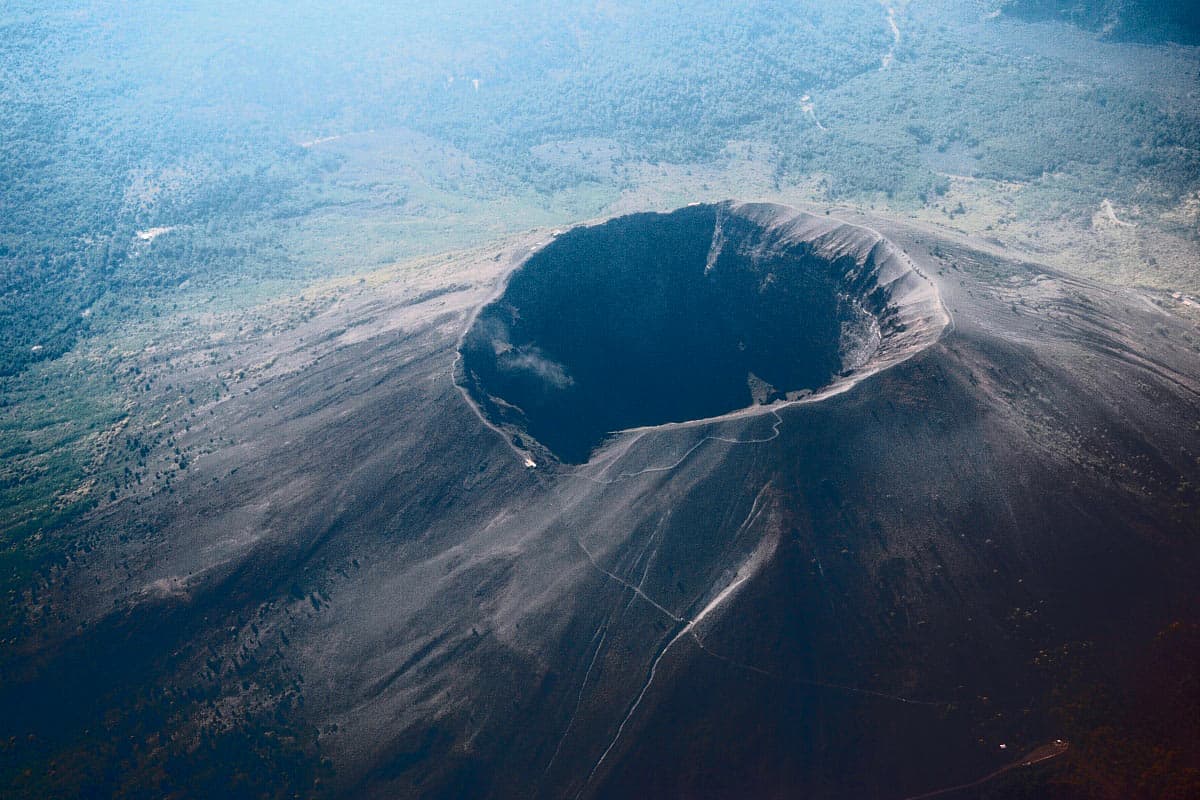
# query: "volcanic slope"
860,590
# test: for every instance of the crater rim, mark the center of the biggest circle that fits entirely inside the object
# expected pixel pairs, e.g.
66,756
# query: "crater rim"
906,308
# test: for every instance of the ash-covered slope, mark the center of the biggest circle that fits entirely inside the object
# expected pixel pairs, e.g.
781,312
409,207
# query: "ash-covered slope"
863,593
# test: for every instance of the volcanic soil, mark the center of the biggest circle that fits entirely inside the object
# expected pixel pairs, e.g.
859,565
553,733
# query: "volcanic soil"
817,505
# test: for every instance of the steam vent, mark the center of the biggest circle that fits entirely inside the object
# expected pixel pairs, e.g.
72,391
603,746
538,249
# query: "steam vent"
650,319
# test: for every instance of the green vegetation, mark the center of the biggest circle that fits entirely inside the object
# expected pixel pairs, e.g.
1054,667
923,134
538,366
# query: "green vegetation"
133,118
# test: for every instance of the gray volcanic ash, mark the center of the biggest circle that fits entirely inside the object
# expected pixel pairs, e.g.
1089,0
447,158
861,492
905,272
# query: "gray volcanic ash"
856,577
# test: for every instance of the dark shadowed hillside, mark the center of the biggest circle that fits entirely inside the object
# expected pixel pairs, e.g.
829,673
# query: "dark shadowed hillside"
1133,20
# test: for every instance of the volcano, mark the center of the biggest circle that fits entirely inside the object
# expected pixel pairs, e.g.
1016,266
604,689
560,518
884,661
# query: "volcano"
736,501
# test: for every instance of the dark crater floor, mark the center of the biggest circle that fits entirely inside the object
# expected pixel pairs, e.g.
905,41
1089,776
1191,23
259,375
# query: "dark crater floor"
657,318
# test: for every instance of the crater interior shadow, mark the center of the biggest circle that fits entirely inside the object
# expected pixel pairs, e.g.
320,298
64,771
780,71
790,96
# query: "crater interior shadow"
654,318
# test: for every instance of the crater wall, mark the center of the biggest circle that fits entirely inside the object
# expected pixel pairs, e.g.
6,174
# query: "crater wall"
650,319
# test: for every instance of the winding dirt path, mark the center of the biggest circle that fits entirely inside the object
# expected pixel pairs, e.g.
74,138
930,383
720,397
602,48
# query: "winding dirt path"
890,55
1111,213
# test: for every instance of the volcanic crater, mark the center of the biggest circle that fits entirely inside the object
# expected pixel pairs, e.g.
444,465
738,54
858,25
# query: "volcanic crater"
652,319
